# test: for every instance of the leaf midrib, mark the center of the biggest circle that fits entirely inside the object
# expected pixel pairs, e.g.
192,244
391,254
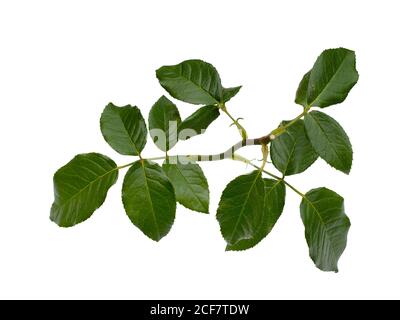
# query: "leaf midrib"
244,204
127,133
150,200
329,141
277,182
328,83
87,186
190,187
322,222
180,74
291,152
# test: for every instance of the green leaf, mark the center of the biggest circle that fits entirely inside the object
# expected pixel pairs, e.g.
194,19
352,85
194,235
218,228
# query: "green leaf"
124,129
164,120
197,122
332,77
190,184
241,207
193,81
149,199
292,152
229,93
273,205
326,227
80,187
301,93
329,140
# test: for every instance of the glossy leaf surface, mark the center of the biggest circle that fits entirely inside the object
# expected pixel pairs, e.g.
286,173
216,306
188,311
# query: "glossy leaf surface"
149,199
329,140
80,187
292,152
274,202
326,227
332,77
164,120
192,81
198,122
241,207
190,184
124,129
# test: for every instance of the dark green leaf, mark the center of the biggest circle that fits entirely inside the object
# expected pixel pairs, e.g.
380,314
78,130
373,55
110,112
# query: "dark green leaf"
80,187
164,120
198,122
292,152
301,93
326,227
193,81
241,207
332,77
273,205
329,140
190,184
149,199
229,93
124,129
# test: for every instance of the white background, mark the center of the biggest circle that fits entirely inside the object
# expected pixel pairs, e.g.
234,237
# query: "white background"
61,62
